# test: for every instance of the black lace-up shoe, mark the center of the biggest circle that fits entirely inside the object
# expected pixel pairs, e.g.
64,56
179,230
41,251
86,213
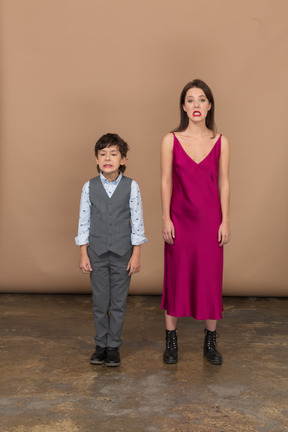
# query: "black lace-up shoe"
210,348
113,357
170,355
99,356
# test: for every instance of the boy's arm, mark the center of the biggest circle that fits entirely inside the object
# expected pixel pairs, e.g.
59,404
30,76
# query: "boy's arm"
82,239
85,265
84,217
137,228
134,264
136,213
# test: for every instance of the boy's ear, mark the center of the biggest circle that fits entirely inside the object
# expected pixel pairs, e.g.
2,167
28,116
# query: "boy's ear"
123,160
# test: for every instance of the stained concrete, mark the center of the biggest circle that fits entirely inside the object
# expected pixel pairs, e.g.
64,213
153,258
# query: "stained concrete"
48,385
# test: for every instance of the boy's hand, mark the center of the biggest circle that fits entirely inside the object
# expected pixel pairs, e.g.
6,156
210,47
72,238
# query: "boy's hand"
84,264
134,263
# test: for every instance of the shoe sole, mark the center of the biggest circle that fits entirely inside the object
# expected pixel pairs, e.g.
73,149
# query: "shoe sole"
97,362
112,364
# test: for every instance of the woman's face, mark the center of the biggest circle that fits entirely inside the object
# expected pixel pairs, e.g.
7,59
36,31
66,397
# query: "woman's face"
196,104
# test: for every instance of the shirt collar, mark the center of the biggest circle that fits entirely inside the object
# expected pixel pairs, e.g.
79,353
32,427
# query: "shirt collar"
115,182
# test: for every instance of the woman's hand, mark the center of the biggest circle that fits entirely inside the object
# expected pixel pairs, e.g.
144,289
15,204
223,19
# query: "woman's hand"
224,235
168,231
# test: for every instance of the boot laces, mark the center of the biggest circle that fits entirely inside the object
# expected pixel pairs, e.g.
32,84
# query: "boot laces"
211,341
172,340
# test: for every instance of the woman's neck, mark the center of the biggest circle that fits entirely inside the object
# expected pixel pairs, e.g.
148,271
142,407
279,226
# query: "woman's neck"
198,129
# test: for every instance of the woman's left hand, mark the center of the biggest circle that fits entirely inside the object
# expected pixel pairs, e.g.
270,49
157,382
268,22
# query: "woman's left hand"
224,234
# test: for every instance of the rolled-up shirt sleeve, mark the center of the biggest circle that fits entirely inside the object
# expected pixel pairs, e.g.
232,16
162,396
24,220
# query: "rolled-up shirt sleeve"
136,211
84,217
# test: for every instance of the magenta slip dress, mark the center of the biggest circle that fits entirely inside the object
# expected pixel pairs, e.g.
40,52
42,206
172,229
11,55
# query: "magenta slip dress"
193,265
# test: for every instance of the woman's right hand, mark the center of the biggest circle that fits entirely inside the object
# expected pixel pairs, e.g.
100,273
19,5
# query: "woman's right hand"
168,231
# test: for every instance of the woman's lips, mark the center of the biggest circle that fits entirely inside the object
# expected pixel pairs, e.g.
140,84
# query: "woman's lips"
196,113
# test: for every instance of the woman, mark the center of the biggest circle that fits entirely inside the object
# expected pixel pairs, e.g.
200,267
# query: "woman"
195,212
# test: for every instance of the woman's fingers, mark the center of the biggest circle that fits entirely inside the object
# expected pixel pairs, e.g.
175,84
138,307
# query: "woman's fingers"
168,237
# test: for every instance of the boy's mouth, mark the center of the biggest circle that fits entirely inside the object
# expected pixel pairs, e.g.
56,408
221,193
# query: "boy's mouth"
107,166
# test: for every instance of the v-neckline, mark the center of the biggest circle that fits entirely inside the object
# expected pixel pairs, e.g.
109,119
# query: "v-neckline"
197,163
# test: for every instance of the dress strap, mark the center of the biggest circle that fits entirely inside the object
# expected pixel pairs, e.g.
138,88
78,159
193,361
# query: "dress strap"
218,146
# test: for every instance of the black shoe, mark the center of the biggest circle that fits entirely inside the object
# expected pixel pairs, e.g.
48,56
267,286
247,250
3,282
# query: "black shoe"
113,357
210,348
99,356
170,355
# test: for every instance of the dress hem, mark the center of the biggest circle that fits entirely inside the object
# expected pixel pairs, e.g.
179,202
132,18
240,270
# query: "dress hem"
192,316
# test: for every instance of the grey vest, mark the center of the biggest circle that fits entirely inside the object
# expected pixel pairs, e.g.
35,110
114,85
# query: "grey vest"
110,226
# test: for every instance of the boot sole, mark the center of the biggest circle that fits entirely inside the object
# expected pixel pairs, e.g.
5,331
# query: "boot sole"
170,361
215,362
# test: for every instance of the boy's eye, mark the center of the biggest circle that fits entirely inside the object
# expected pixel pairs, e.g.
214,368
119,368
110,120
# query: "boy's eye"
202,100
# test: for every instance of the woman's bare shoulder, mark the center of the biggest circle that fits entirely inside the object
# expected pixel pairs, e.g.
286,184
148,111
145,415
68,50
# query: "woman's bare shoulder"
225,147
168,140
224,140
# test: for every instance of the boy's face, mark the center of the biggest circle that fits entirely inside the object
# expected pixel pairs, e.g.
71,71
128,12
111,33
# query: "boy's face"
109,160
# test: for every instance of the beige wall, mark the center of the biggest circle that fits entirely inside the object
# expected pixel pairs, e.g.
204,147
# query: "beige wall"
72,70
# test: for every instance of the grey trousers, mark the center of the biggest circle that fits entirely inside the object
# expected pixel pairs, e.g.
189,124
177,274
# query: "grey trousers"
110,284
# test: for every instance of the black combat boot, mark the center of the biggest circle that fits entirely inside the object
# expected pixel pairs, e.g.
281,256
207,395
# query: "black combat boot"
170,355
210,348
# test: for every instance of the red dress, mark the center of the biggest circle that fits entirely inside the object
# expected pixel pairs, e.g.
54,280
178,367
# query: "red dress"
193,265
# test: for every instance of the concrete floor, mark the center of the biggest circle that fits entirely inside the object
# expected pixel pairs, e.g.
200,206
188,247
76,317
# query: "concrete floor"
48,385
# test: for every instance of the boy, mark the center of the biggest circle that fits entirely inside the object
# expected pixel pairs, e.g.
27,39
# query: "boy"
110,235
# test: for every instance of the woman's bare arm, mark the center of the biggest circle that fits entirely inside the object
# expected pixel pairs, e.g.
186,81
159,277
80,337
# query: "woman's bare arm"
168,230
